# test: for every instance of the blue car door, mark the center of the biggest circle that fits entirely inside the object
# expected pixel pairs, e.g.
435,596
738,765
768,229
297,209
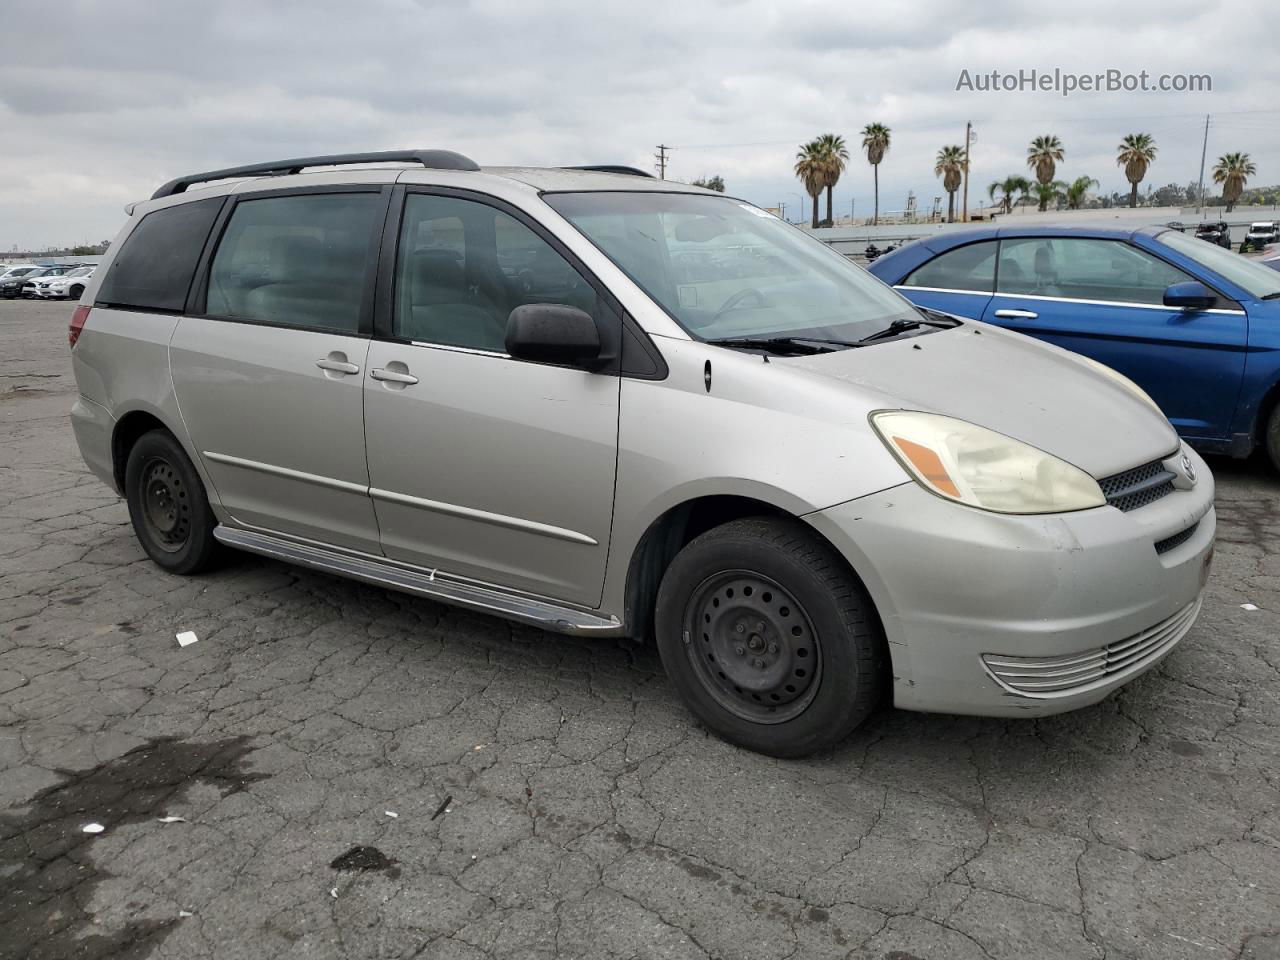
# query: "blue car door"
958,281
1104,298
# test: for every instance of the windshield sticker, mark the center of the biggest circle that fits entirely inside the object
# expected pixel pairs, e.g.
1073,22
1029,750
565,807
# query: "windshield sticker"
757,211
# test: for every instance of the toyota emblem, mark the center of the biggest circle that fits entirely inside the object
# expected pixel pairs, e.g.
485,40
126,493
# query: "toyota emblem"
1188,468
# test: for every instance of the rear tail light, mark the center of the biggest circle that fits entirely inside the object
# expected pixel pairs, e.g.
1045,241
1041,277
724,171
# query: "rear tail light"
77,323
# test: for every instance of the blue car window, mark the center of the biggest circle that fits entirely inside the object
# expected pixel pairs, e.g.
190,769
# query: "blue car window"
1079,268
971,267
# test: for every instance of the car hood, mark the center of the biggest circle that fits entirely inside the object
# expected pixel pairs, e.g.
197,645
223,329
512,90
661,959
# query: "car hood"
1032,391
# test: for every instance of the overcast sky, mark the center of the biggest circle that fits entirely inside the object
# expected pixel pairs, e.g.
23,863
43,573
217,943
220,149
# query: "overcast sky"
102,101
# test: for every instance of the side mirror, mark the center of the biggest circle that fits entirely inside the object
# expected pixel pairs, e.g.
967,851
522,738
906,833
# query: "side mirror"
1189,295
553,333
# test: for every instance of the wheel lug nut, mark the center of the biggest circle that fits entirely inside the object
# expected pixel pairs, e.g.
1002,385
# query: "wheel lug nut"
758,663
739,650
773,648
759,626
740,628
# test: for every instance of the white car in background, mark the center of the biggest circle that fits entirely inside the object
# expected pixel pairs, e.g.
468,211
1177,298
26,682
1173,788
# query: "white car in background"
68,285
1262,234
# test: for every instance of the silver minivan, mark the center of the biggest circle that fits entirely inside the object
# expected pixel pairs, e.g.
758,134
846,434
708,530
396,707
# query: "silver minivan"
609,405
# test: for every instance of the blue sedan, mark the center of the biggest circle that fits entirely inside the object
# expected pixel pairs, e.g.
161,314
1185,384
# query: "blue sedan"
1196,326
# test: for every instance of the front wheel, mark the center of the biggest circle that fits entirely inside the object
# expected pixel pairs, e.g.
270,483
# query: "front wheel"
167,504
1272,438
769,638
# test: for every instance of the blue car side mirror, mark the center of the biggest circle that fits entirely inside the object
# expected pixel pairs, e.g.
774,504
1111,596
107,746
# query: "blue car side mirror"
1189,295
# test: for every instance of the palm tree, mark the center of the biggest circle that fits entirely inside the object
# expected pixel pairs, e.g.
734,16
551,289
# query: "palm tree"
1044,193
1042,156
1135,153
811,168
1233,171
875,141
949,165
1076,190
1007,188
837,158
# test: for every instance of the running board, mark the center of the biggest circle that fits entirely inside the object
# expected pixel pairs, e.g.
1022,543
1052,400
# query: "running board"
539,613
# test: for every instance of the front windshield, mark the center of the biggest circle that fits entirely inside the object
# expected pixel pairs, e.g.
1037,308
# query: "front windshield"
1243,272
722,268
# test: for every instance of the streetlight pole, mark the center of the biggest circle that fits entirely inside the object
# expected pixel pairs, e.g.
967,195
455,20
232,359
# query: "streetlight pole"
968,138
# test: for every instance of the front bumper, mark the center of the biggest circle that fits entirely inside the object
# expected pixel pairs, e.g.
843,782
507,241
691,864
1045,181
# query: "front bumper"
1025,616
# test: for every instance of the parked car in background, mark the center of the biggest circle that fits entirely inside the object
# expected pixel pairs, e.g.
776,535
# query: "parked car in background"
69,285
1263,234
11,281
34,284
1215,231
1195,326
1272,261
809,492
1177,225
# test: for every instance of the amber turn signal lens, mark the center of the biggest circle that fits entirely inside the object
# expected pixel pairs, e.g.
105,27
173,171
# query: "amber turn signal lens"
929,464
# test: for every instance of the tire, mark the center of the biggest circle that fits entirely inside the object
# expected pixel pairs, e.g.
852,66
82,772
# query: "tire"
75,293
812,674
168,506
1271,439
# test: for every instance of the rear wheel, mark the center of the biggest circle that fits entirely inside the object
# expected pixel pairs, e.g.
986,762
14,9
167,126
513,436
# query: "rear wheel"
167,504
75,293
769,638
1272,439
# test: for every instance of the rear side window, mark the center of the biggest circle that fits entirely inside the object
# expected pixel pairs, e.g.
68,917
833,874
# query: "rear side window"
297,261
971,267
153,269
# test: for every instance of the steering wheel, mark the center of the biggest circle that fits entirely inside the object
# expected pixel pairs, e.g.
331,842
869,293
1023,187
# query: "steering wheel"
735,301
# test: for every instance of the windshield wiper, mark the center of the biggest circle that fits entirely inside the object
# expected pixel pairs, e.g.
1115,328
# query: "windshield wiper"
904,324
1272,296
783,344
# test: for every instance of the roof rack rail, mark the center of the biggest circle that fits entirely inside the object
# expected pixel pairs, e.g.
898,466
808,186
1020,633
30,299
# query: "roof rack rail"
431,159
613,168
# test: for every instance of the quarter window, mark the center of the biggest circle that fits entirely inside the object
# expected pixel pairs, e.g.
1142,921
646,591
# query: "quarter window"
463,266
971,267
154,267
299,260
1079,268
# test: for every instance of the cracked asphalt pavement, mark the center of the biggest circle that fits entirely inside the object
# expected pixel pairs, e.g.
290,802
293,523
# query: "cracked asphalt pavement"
364,774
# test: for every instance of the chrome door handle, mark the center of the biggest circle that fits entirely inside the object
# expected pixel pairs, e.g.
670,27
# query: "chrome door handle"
1018,314
394,376
337,366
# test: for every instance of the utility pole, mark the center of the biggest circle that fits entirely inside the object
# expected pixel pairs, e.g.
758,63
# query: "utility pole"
968,137
661,157
1204,149
782,210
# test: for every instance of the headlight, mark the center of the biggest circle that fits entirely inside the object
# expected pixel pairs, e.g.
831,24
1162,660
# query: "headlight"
1124,381
979,467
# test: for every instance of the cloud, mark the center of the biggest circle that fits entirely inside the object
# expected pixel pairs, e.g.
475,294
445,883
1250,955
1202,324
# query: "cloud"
133,93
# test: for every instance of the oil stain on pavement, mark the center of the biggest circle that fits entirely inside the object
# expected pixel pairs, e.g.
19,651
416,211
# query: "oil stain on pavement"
47,871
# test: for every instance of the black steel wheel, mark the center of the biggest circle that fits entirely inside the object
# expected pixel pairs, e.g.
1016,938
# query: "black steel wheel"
166,507
167,504
769,637
757,653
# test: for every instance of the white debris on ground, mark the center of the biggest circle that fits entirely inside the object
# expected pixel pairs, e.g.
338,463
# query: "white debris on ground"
186,638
